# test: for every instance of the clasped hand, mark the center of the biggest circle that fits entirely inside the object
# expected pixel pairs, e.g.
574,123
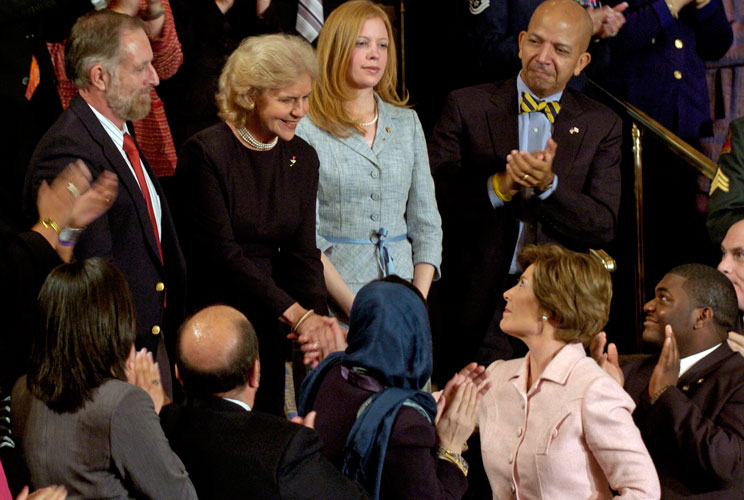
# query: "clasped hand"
318,337
531,170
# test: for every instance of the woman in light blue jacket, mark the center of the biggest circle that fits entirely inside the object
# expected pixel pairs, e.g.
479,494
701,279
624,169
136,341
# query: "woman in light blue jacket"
377,214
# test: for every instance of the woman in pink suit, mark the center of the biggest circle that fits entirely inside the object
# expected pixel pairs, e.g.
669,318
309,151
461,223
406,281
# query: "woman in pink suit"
554,425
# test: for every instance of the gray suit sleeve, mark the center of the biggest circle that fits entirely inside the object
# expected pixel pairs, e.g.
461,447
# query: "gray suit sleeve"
141,453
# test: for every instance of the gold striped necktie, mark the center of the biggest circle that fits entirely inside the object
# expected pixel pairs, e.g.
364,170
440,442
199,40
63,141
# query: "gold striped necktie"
531,104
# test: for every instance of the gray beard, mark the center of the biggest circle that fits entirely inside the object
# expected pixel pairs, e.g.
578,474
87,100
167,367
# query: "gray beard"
132,108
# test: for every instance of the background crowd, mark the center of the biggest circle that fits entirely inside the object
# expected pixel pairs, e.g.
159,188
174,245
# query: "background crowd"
249,263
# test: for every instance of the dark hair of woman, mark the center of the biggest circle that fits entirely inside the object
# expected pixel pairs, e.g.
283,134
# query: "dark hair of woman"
88,332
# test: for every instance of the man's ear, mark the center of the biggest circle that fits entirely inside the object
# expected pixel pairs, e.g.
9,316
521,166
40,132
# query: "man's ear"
703,317
255,376
522,34
583,61
99,77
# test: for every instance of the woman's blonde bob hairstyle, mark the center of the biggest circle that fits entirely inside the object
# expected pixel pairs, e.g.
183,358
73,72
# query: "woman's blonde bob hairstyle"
335,45
574,288
259,64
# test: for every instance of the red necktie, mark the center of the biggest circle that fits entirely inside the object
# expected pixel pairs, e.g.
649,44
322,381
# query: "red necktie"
133,154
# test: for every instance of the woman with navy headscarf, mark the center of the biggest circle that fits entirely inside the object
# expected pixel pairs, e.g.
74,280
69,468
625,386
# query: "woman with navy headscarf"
377,425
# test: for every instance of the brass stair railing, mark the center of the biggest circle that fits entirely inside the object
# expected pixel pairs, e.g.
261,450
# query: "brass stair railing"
642,123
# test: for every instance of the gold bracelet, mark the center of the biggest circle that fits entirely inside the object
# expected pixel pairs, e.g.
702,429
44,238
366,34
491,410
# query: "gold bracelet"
658,393
506,198
453,458
50,224
303,318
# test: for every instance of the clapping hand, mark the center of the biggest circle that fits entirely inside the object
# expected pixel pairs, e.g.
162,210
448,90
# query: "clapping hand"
48,493
666,371
146,375
609,361
532,170
456,413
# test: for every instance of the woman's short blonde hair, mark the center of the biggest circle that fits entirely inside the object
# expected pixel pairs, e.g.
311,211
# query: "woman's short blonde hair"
335,45
261,63
574,288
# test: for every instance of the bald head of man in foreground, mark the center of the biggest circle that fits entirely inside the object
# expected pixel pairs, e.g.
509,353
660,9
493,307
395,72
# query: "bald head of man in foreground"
229,450
217,354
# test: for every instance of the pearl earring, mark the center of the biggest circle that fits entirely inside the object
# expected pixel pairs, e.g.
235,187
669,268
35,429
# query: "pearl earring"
545,318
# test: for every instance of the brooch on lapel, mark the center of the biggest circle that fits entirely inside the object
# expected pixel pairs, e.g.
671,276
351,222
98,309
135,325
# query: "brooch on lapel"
574,130
292,161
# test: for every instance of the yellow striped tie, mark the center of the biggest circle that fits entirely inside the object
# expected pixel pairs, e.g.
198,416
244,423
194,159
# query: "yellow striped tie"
530,104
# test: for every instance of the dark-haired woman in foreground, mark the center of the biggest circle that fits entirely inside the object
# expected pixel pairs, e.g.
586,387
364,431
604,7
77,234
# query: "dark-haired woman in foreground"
78,421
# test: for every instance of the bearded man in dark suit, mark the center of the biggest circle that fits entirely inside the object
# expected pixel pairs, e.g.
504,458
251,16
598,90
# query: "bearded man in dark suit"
520,161
229,450
109,58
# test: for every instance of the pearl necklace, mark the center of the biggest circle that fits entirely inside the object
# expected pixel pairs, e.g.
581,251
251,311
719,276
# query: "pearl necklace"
255,143
374,120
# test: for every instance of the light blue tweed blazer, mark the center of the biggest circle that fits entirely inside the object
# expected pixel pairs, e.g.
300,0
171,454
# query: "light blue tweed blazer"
362,190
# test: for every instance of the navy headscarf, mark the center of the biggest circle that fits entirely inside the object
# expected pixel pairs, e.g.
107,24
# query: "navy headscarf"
389,336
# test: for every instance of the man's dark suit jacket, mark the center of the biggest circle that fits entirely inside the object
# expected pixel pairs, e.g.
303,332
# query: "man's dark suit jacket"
695,431
125,233
233,453
477,130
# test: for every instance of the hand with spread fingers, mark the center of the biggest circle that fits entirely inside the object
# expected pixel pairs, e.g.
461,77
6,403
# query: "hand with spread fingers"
609,361
147,377
666,372
49,493
96,201
532,170
56,201
736,342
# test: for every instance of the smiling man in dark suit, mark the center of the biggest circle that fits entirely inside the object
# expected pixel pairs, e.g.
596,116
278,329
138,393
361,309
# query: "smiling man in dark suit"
690,399
525,160
230,450
108,57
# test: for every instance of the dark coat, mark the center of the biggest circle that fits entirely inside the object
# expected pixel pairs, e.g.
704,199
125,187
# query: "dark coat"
695,431
477,130
233,453
411,469
125,233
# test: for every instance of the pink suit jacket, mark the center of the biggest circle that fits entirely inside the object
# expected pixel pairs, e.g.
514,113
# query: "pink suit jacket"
571,436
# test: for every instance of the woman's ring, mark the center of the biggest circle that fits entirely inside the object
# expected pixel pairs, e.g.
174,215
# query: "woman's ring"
156,382
525,177
72,188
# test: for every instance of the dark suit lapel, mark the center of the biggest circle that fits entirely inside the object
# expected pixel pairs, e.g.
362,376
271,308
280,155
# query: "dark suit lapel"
700,370
502,119
568,132
127,181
